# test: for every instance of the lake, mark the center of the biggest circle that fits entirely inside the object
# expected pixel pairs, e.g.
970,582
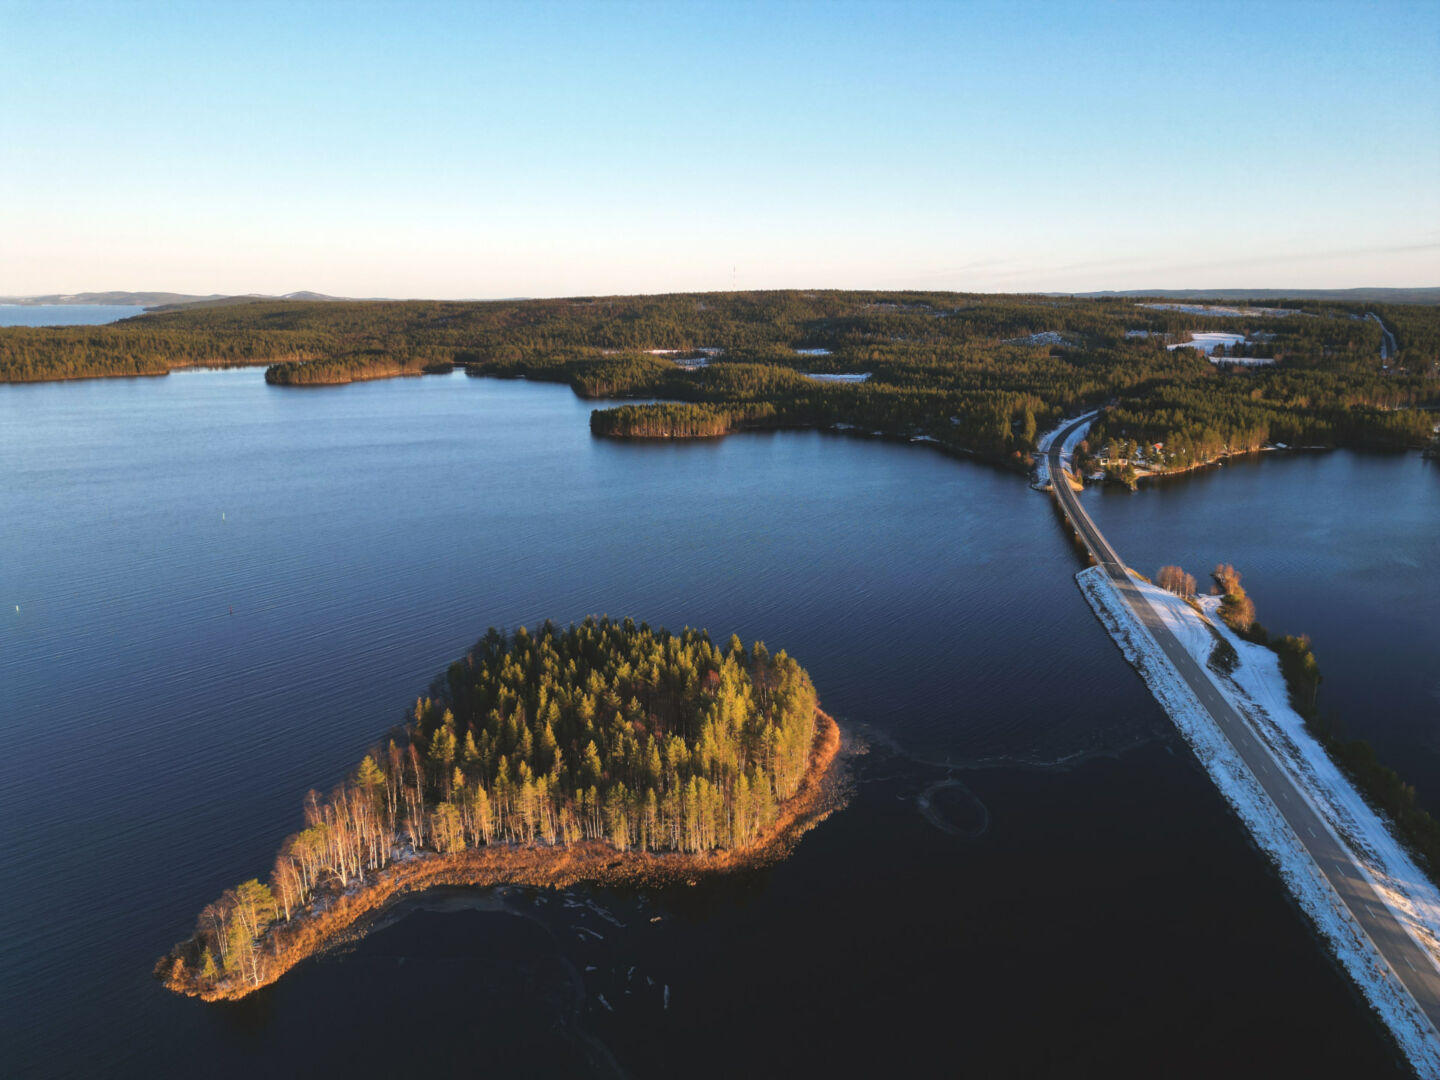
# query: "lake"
216,594
65,314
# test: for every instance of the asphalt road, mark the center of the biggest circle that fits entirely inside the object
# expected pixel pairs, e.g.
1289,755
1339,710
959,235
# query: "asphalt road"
1388,347
1407,961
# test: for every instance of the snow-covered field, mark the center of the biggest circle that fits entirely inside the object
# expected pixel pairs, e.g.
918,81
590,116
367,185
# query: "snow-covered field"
1045,337
1257,690
1043,444
822,376
684,358
1206,340
1221,309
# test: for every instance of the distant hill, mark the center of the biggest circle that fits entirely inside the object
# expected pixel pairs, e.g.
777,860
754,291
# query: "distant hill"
1383,296
166,301
245,298
139,299
152,299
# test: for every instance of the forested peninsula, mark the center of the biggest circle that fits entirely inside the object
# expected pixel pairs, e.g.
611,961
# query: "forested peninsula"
605,752
975,374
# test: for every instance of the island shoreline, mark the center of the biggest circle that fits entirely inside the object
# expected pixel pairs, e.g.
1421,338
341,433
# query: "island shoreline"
340,915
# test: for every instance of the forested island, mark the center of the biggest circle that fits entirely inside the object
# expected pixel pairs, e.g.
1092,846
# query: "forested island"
970,373
604,752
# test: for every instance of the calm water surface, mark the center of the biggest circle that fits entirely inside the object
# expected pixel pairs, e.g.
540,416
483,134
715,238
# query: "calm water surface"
65,314
216,594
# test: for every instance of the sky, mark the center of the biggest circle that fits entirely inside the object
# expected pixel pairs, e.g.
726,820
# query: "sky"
552,149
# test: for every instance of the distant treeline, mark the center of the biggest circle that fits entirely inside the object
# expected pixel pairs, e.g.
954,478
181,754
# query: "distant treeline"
679,421
142,347
978,373
606,732
357,367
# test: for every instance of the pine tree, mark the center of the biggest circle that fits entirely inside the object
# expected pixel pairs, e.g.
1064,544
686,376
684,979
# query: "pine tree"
368,777
590,768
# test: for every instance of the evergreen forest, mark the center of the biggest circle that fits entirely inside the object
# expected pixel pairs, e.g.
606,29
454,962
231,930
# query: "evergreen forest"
974,374
606,732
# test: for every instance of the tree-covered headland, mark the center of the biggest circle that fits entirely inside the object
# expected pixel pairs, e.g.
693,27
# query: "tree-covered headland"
974,374
541,758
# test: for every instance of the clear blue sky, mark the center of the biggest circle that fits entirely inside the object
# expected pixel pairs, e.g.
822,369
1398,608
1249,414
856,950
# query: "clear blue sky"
535,149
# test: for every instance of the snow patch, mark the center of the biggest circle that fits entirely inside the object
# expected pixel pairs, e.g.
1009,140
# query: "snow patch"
1223,310
1208,339
690,359
1041,482
823,376
1238,786
1045,337
1206,342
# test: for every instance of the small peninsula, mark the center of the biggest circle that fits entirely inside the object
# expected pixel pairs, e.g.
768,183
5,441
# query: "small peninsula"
605,752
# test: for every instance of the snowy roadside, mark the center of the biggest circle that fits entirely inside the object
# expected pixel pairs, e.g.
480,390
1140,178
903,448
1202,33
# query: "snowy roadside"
1041,482
1257,690
1351,945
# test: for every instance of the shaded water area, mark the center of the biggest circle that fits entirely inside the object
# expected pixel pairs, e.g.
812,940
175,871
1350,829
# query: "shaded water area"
227,591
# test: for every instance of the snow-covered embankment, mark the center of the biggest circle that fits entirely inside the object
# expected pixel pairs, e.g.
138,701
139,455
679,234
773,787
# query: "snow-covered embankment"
1046,441
1256,689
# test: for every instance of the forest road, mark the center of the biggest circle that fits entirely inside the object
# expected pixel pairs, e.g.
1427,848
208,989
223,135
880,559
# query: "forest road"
1388,345
1403,958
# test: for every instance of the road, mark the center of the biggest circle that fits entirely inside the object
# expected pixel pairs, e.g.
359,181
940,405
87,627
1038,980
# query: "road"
1388,345
1407,961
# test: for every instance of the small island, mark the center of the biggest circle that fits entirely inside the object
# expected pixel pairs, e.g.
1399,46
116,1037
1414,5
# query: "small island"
606,752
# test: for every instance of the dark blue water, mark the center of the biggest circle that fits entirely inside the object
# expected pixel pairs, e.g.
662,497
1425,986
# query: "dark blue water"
65,314
226,591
